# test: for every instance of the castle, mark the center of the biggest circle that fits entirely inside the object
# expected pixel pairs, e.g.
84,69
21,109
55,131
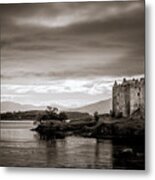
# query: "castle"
128,97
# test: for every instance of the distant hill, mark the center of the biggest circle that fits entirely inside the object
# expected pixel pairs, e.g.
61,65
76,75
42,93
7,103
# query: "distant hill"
101,107
12,106
30,111
8,106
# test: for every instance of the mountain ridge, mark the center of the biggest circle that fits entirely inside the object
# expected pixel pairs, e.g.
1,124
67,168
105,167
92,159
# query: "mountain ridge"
100,106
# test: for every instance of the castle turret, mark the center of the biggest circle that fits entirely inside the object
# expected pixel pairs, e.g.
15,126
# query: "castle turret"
115,84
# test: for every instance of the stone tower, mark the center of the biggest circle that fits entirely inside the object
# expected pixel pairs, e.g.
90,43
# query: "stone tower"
128,97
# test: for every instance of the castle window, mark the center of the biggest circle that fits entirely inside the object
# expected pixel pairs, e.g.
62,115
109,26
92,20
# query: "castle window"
138,94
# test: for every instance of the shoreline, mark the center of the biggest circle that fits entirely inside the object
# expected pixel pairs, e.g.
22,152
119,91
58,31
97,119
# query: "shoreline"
110,130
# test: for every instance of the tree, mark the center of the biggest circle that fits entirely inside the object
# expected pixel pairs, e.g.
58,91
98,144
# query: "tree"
55,110
96,116
51,112
62,116
52,109
39,117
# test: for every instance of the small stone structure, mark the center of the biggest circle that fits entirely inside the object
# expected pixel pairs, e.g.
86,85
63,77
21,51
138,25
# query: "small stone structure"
128,97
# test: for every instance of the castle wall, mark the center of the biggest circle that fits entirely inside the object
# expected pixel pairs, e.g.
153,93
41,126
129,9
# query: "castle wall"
121,100
127,100
134,99
137,95
142,93
116,100
128,97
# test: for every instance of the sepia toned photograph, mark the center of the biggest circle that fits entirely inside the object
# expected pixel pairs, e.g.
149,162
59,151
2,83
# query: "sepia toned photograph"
73,85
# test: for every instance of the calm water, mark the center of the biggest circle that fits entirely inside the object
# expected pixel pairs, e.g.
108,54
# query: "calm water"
21,147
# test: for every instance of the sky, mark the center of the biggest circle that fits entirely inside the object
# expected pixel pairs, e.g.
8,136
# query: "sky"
69,53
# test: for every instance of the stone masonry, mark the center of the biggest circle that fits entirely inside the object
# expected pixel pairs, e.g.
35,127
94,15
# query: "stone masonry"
128,97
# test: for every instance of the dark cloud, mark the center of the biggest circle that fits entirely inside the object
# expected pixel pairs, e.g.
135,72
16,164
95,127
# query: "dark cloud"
58,41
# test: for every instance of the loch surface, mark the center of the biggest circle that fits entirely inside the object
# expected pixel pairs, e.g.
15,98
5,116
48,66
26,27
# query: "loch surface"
21,147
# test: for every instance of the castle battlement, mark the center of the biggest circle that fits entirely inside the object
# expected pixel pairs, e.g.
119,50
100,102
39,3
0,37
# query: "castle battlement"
128,96
132,82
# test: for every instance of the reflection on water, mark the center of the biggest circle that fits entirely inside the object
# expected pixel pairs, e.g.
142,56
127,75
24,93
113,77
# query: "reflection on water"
21,147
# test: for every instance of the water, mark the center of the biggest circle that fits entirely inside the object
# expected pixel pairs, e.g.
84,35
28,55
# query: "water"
21,147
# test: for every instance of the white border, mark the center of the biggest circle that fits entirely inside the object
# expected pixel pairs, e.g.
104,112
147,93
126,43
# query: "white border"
76,174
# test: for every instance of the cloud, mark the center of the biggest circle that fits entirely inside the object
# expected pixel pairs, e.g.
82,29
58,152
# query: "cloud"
74,46
69,14
60,91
